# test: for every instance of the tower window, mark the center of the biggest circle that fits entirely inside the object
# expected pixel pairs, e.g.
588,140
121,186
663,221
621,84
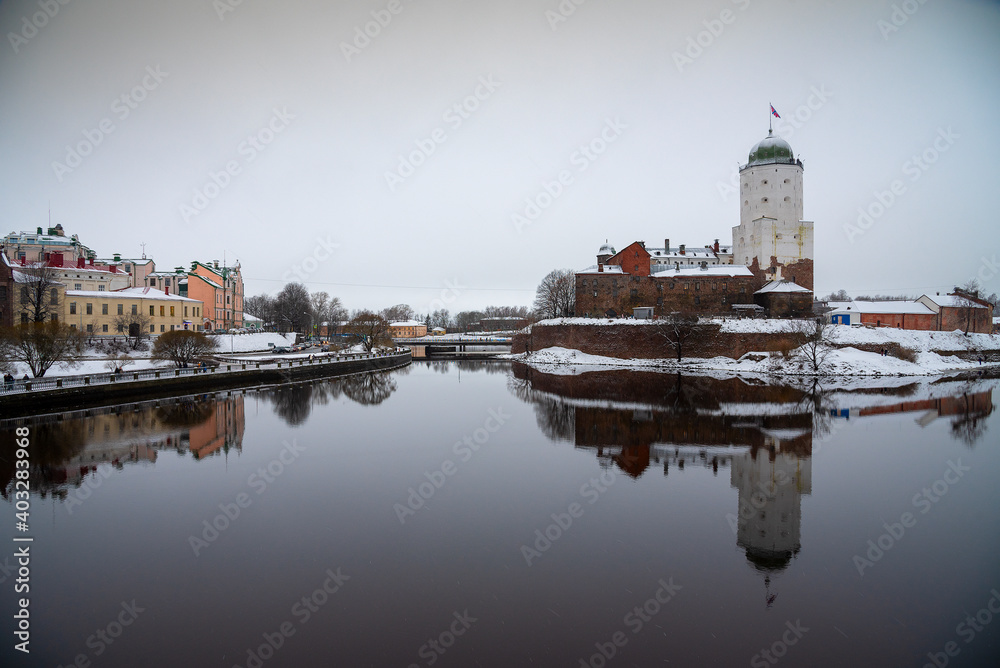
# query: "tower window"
788,199
764,182
786,181
764,200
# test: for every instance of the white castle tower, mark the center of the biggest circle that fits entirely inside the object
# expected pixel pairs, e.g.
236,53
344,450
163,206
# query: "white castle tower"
771,228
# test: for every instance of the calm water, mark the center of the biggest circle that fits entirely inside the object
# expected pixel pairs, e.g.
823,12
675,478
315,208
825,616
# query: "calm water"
489,515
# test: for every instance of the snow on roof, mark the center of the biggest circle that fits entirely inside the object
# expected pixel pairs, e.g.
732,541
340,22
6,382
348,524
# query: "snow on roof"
251,318
144,260
781,286
955,301
407,323
207,280
890,306
22,277
608,269
705,252
731,270
130,293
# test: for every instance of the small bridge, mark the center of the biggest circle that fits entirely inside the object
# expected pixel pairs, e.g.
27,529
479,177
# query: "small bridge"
456,346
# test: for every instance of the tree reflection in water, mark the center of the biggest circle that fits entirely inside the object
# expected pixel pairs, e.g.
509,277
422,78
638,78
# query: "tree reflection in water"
294,402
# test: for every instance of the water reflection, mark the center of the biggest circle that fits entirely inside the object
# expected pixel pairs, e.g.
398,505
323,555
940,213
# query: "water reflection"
763,433
67,448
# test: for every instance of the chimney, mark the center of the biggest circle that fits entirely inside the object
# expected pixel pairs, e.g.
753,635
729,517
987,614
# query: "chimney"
118,257
113,268
716,247
38,231
79,263
682,249
215,263
600,268
643,244
90,260
704,266
166,290
666,244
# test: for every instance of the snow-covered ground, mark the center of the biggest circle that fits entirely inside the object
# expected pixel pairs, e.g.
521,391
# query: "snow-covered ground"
91,366
840,362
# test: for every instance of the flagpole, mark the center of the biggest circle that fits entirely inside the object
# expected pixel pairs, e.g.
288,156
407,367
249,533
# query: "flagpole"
769,128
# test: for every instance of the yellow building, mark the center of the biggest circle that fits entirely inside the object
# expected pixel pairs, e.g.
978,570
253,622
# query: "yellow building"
127,311
408,329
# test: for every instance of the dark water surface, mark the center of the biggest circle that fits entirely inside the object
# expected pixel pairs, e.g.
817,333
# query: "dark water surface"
479,514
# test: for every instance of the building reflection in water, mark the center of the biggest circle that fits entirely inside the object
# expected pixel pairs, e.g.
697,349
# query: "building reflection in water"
763,433
68,447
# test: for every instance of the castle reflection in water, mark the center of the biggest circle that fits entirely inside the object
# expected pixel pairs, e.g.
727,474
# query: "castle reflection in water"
642,421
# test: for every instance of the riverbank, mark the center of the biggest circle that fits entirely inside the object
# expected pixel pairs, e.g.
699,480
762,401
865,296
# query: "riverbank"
771,347
48,395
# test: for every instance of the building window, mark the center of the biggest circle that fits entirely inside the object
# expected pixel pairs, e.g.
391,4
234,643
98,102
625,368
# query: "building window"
171,328
724,287
672,284
72,326
24,318
55,317
659,301
152,328
697,286
104,328
185,311
697,300
633,292
72,308
135,309
162,328
686,285
171,311
104,309
90,309
121,309
152,310
90,329
78,286
54,297
595,293
723,299
100,288
161,310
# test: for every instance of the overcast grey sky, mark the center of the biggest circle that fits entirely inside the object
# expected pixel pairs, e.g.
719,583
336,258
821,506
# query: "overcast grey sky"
331,111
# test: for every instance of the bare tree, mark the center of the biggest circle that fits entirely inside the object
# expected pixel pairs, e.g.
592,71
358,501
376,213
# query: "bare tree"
293,308
467,320
38,286
815,350
118,362
556,294
838,296
182,347
677,330
966,297
440,318
398,313
134,326
371,328
42,344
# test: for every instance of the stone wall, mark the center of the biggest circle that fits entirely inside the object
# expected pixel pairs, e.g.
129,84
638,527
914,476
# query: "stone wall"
646,342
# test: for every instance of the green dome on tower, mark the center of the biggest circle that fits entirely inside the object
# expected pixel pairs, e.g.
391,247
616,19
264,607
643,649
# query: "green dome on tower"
771,150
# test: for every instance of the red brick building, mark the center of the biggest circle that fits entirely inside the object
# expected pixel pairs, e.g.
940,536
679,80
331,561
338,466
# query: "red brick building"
623,281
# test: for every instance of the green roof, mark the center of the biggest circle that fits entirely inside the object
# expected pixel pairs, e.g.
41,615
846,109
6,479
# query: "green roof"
771,150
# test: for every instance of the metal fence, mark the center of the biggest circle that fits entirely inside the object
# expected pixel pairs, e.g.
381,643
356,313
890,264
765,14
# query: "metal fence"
227,365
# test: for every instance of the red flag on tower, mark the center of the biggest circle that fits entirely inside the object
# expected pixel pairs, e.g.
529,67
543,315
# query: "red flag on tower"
774,113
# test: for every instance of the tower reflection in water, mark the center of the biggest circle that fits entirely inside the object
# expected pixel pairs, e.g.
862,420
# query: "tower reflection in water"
636,420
